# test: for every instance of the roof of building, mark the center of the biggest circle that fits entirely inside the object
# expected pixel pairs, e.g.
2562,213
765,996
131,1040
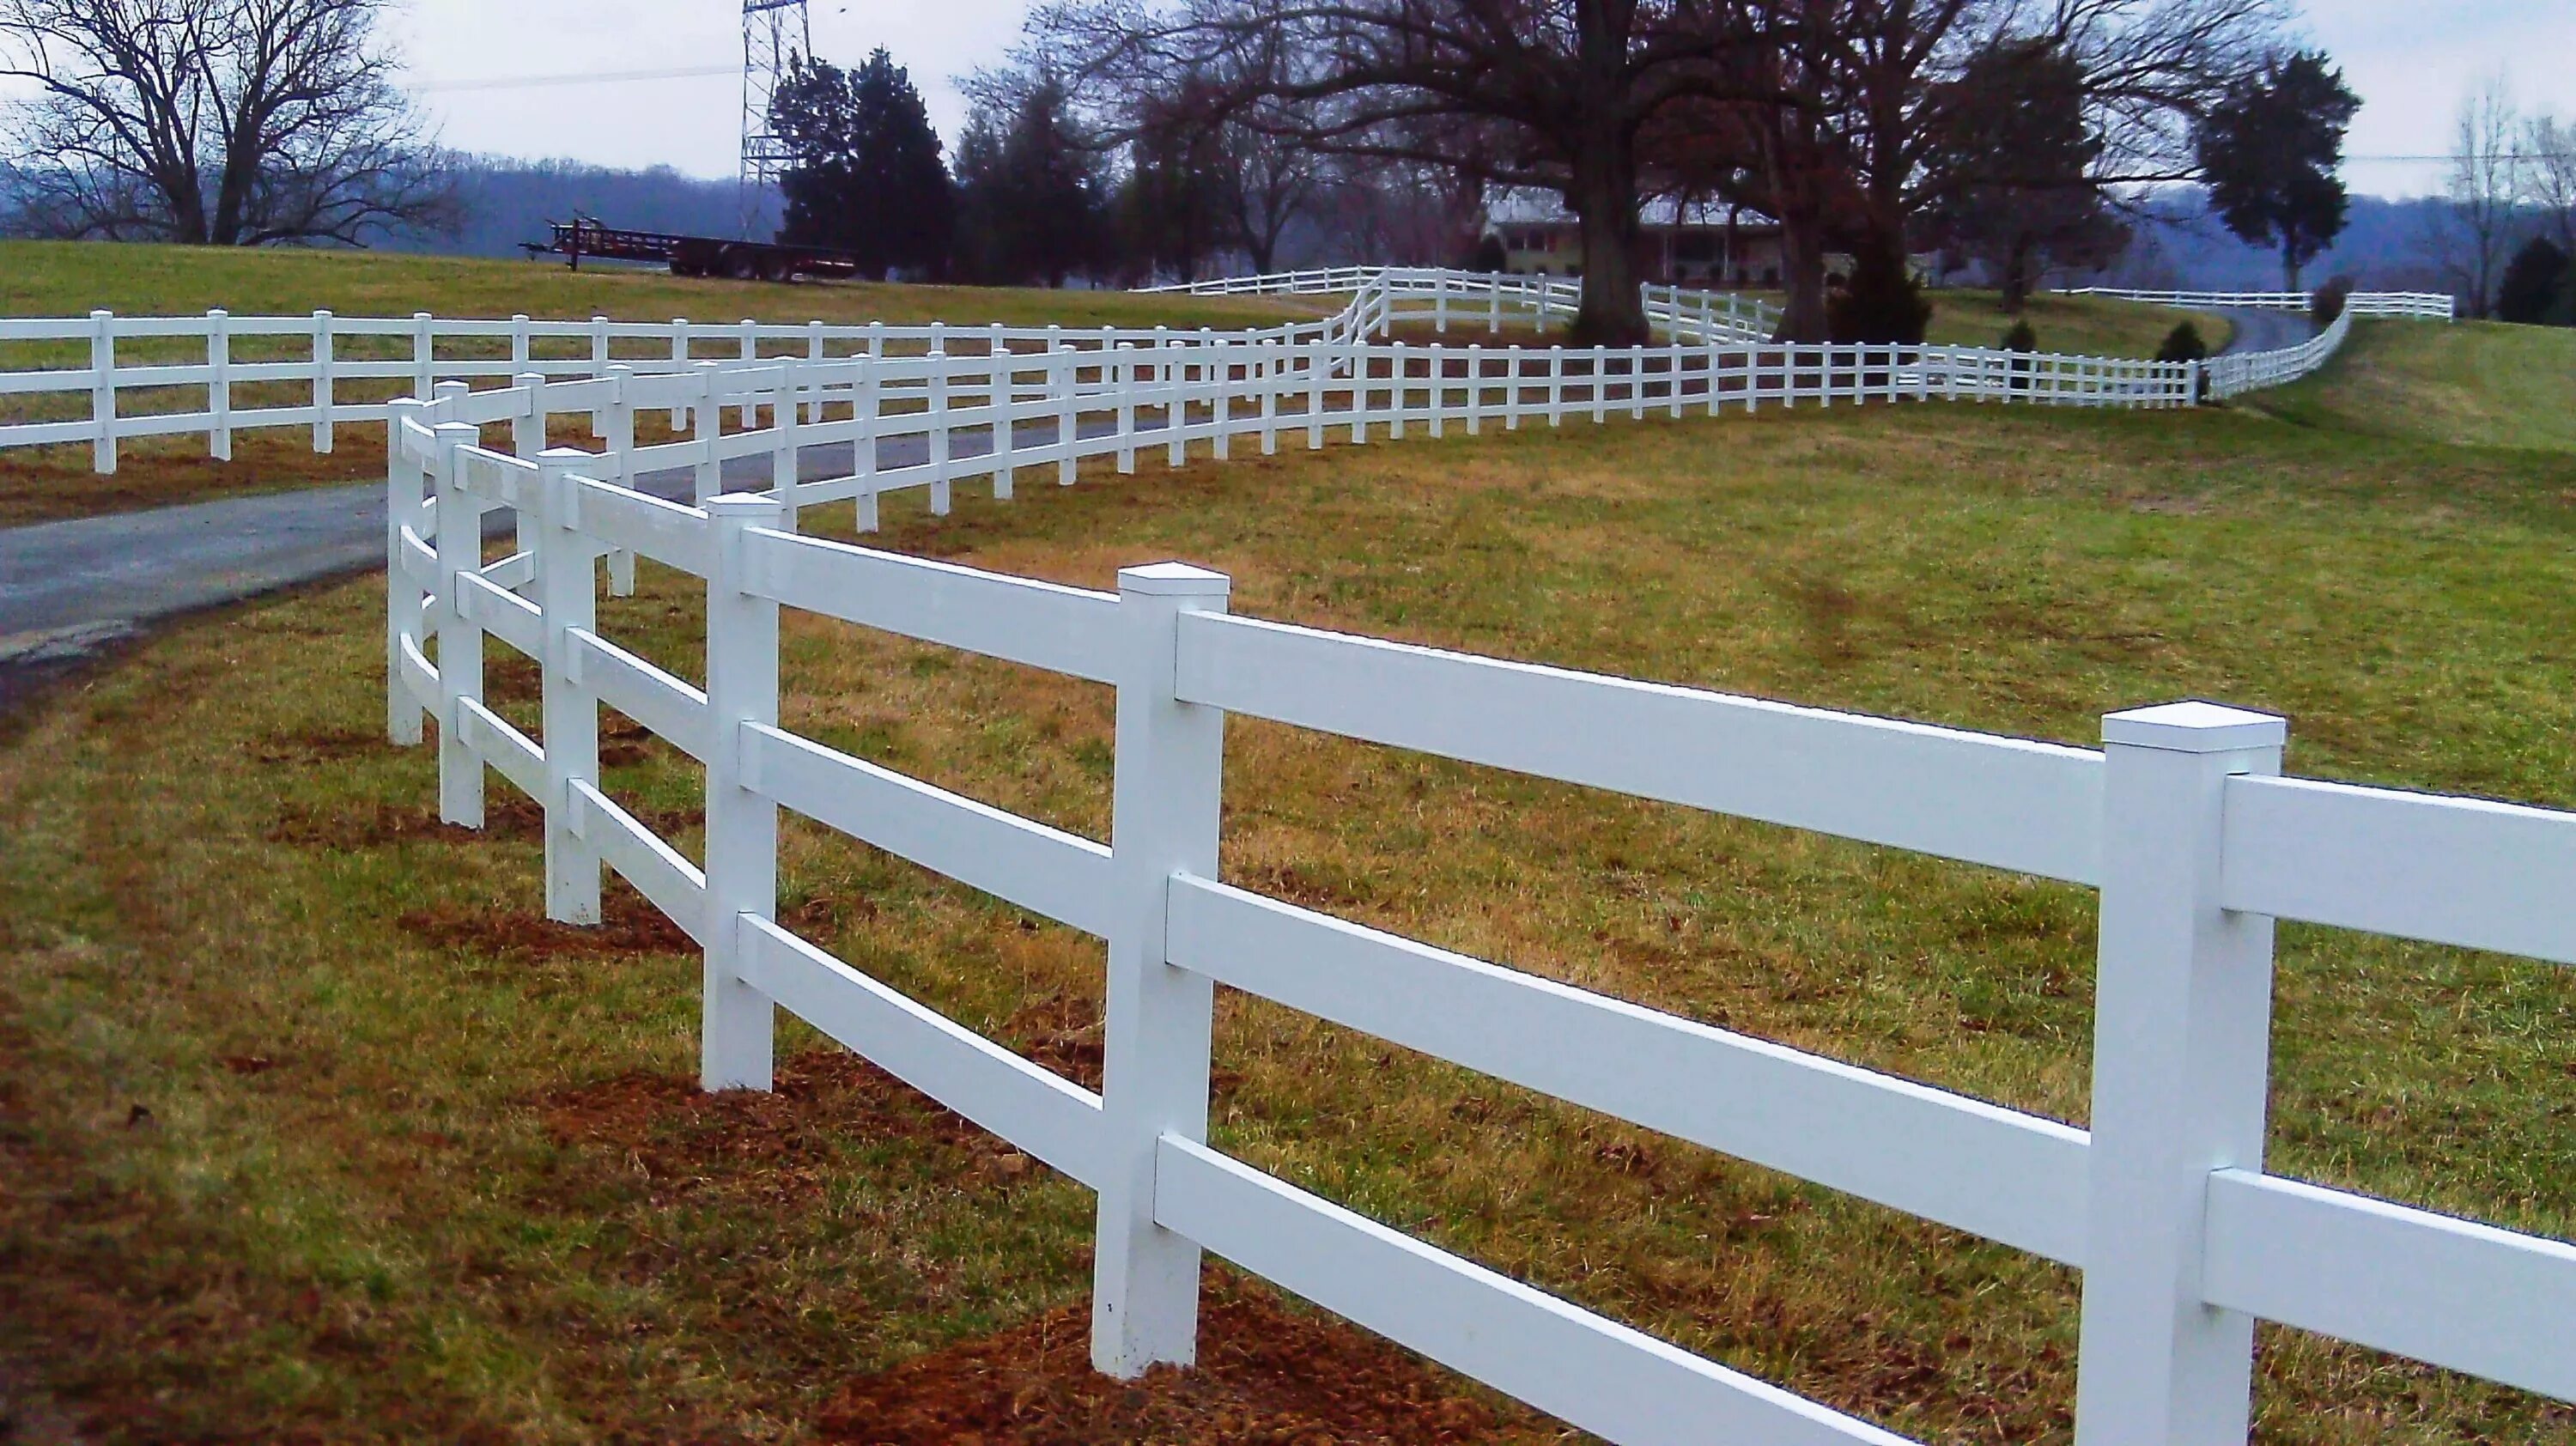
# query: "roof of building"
1526,206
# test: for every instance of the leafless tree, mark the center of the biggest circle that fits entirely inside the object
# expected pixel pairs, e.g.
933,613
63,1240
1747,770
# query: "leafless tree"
214,122
2549,175
2484,187
1544,93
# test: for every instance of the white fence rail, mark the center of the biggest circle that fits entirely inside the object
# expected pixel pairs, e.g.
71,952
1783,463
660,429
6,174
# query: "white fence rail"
2423,305
308,372
2180,820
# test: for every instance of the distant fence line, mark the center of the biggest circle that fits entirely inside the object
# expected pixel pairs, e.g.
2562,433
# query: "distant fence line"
233,377
2422,305
2181,821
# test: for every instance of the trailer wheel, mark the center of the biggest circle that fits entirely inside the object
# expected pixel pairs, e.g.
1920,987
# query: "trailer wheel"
741,263
775,265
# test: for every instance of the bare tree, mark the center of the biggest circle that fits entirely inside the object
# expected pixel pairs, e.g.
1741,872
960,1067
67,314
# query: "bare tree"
2485,185
215,122
1542,93
2549,175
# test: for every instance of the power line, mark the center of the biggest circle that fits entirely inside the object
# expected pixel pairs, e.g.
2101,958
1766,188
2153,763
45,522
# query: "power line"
593,77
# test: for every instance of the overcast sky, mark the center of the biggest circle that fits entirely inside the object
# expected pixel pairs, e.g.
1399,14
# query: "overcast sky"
2410,61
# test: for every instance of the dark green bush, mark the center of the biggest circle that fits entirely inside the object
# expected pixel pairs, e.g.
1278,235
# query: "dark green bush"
1883,304
2183,344
2532,281
2326,304
2021,338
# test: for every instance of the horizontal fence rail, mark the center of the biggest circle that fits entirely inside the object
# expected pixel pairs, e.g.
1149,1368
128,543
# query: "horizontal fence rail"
108,379
2181,821
2428,305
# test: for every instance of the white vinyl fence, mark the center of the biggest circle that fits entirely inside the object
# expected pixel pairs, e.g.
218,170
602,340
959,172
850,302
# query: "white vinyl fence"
2181,820
243,373
2421,305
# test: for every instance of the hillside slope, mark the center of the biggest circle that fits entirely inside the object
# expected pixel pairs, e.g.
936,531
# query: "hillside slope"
2473,384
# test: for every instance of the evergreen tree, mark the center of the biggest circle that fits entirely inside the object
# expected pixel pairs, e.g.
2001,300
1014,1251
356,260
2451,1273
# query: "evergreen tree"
868,176
2015,166
2533,283
2270,150
1028,192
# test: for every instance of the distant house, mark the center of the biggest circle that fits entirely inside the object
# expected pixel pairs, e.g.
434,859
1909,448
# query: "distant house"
1700,244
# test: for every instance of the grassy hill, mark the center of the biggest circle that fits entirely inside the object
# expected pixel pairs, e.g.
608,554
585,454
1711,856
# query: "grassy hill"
2474,383
312,1131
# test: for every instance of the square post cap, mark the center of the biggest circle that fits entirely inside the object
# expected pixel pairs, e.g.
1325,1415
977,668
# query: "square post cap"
2194,727
1173,579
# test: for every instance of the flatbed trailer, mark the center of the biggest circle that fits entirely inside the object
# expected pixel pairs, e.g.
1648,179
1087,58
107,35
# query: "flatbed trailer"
691,255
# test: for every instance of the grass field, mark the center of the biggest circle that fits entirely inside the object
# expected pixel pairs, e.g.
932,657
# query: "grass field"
313,1132
39,278
69,279
2474,383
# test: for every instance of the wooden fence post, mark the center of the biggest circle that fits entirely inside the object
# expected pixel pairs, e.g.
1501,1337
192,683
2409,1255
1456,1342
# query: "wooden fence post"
567,589
2182,1019
460,641
1164,812
742,826
322,390
102,390
402,591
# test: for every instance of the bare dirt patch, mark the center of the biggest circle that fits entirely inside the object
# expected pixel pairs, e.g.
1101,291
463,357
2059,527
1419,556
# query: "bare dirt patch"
507,815
780,1144
1065,1034
628,925
318,745
1265,1374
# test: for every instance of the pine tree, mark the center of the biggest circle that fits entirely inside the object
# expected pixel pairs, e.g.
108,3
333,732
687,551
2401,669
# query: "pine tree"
2270,150
868,177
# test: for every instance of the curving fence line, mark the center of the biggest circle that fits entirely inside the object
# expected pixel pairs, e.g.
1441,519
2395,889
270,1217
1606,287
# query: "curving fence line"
2181,820
218,375
2420,305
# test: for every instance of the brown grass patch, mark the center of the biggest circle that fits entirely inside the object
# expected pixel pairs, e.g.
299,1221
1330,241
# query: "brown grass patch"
1265,1374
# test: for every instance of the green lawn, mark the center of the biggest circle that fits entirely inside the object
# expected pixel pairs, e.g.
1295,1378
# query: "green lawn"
69,279
311,1135
2475,383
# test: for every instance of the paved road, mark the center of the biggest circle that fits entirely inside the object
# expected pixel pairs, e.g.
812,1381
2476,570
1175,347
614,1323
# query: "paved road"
69,589
2264,330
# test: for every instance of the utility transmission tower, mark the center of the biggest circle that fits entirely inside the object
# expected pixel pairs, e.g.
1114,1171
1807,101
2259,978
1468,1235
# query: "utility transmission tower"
774,36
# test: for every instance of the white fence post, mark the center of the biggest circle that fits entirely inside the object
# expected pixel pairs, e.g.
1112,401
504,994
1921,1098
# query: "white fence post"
750,353
2182,1019
402,591
424,355
519,349
322,399
1124,386
219,385
707,477
814,355
784,416
621,449
868,401
1164,810
1065,376
598,350
936,420
460,641
102,389
999,397
527,440
567,590
679,363
742,826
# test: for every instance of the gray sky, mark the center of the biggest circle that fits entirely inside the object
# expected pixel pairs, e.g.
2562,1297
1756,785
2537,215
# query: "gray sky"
2411,61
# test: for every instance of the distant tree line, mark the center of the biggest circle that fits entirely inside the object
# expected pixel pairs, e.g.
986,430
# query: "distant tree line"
1038,194
2505,233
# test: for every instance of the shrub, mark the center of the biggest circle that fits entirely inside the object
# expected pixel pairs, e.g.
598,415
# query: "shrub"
1490,255
1882,304
2531,283
2183,344
2021,338
2326,305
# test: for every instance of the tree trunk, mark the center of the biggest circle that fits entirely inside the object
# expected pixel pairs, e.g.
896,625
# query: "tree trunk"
1802,271
2016,277
1604,198
2289,273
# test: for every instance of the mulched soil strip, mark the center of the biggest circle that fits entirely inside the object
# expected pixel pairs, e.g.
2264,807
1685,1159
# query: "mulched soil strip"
1265,1375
